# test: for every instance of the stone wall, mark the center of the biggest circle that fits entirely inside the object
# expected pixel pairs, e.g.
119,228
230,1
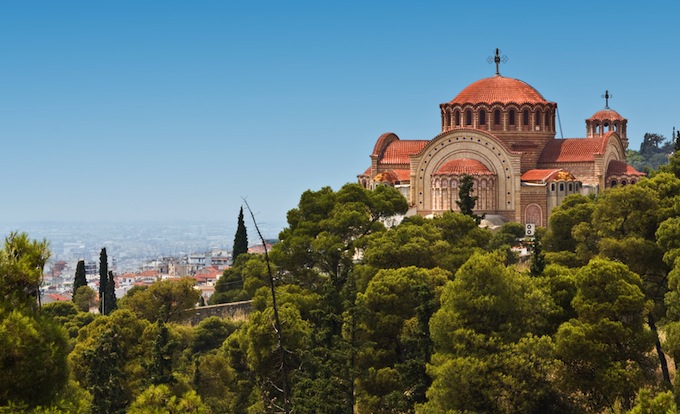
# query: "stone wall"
237,311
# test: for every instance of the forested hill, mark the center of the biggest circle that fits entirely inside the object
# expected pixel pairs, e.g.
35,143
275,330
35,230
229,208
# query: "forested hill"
430,316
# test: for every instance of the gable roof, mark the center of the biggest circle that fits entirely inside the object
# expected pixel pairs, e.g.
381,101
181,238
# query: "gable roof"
573,149
397,152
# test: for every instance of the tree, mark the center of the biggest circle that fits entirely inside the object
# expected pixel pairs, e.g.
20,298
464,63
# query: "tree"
467,200
109,358
164,300
490,355
160,368
33,351
160,399
103,280
84,298
33,347
110,295
240,238
605,350
393,327
79,279
211,333
21,270
537,258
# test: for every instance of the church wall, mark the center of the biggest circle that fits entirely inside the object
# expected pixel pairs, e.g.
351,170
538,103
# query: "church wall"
535,196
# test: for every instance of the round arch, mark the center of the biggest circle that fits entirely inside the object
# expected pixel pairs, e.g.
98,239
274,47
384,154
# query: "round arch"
477,145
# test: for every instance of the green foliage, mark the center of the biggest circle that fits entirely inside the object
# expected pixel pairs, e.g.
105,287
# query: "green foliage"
21,265
605,350
661,403
211,333
240,282
467,201
122,366
33,351
240,238
393,327
537,258
575,209
110,295
487,357
80,279
103,281
160,367
85,298
160,399
164,300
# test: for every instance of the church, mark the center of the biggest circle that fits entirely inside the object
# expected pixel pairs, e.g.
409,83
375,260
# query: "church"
501,131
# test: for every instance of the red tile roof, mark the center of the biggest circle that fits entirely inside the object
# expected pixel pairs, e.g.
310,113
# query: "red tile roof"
621,168
397,152
539,175
464,166
573,149
499,89
58,297
607,115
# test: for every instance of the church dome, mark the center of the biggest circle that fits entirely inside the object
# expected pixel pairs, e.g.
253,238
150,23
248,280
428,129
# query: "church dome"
499,89
607,115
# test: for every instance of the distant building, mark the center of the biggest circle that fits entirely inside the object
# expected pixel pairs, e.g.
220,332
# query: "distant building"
501,131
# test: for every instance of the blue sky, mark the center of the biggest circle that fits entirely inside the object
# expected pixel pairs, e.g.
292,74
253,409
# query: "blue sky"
174,110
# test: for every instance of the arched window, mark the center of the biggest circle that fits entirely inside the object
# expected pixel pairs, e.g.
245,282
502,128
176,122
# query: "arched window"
552,187
537,118
468,117
457,115
547,120
613,183
624,182
561,186
482,117
511,116
496,117
525,121
570,187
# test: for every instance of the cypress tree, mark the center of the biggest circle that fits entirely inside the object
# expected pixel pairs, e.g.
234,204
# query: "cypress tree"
467,200
240,239
111,302
80,279
103,279
537,258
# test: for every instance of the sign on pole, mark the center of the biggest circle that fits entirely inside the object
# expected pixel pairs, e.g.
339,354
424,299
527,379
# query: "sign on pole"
529,229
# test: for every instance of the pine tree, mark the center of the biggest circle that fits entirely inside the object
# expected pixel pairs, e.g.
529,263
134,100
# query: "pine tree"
111,301
103,279
80,279
241,238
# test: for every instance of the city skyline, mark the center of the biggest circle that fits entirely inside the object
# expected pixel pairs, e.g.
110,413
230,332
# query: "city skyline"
176,111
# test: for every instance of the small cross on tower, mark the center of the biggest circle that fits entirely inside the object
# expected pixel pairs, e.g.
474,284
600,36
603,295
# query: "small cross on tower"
606,97
497,59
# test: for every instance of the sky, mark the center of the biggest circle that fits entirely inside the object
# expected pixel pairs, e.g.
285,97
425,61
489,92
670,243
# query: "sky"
177,110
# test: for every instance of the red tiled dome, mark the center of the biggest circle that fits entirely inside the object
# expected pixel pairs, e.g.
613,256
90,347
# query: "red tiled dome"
464,166
499,89
607,115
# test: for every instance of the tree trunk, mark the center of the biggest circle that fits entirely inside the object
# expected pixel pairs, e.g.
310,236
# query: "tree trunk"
659,351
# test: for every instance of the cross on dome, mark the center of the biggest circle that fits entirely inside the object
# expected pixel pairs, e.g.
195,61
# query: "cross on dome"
497,60
606,97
